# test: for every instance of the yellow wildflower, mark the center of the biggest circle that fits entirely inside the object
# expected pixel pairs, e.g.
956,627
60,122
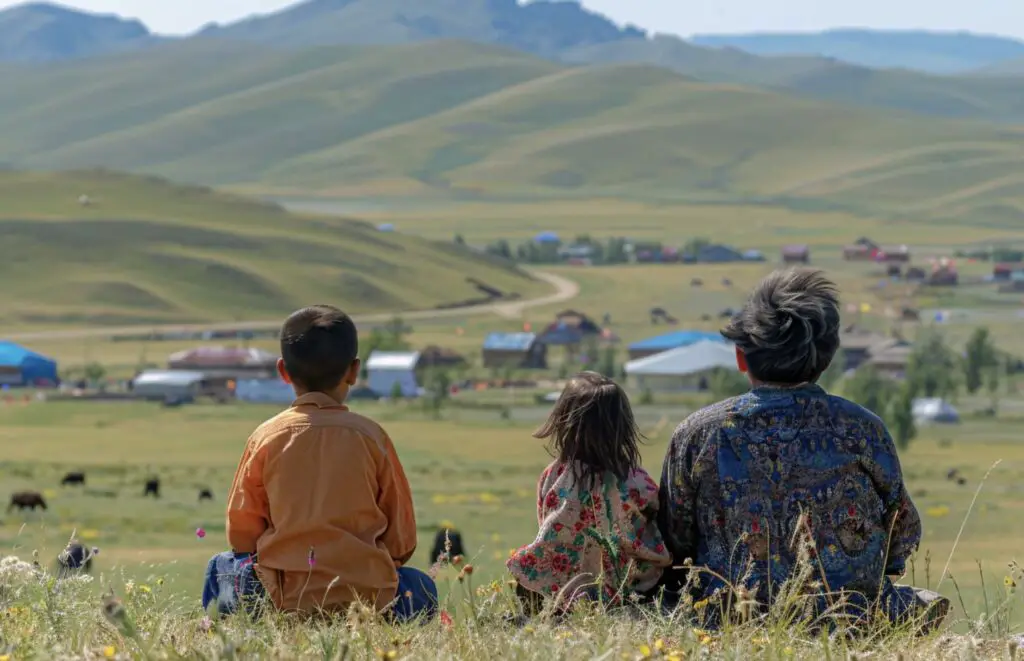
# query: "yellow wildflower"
145,588
110,651
938,512
659,645
645,651
5,657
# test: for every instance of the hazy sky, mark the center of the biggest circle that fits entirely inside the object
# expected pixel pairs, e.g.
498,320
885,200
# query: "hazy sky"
683,17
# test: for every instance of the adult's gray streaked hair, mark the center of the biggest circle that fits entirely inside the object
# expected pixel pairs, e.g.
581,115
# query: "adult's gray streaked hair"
789,328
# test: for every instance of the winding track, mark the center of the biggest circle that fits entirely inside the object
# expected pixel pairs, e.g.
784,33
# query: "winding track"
565,290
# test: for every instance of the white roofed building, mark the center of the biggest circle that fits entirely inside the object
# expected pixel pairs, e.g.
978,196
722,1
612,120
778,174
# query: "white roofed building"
385,369
683,368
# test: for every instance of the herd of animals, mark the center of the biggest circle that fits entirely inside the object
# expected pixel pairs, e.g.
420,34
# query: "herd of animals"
30,500
76,557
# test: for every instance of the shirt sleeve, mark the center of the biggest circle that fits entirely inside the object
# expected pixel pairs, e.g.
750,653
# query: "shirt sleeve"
901,515
395,500
677,497
248,515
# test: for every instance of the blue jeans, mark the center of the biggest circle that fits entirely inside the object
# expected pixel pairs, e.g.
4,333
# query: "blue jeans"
230,579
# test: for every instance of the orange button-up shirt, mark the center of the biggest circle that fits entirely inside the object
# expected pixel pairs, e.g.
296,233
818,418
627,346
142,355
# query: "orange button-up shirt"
320,477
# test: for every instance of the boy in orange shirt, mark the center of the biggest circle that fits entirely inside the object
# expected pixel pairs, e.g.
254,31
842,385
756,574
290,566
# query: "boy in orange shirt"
320,513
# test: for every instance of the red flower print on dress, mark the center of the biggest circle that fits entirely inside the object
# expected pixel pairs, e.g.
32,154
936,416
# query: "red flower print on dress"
558,527
551,502
560,563
755,527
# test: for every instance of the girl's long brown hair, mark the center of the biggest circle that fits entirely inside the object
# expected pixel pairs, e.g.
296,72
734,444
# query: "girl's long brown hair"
592,428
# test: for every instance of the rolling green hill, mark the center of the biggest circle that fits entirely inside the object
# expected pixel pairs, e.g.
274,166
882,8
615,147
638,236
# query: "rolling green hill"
452,118
145,251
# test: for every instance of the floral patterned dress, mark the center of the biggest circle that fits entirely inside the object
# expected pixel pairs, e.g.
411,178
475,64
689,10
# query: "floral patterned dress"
603,536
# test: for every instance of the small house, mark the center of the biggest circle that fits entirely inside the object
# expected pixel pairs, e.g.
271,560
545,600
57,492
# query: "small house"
438,357
891,359
670,341
915,274
388,371
753,256
858,253
718,254
226,363
569,328
796,254
893,255
1005,271
515,350
944,276
549,238
856,344
21,367
167,385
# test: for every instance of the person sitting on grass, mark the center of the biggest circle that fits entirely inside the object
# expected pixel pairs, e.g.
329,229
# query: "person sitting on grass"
320,514
596,506
790,483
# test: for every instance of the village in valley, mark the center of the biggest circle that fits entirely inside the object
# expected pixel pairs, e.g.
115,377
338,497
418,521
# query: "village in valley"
528,210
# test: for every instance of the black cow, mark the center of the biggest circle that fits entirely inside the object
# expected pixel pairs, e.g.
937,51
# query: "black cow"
73,479
205,494
74,559
447,545
27,500
152,487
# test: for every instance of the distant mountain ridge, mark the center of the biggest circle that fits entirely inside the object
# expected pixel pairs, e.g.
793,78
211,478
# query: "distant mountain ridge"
41,32
932,52
541,28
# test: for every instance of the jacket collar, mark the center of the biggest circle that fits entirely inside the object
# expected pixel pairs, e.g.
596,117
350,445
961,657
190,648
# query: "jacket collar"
319,400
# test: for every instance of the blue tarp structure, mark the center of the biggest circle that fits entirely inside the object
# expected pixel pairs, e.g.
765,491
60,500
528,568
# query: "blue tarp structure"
270,391
21,367
674,340
509,341
547,237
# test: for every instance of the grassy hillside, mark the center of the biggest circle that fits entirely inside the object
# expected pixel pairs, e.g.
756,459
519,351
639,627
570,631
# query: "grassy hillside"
451,118
150,252
934,52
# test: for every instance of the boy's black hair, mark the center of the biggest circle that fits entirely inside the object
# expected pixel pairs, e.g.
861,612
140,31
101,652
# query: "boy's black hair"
789,328
593,429
318,346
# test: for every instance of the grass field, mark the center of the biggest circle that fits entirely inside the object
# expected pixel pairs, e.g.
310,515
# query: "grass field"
148,252
470,469
454,120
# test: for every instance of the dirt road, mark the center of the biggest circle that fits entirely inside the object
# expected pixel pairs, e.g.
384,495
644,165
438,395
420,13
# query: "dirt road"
565,290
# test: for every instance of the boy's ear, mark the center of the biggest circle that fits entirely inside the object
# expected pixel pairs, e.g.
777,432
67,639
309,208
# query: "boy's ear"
352,376
741,361
283,372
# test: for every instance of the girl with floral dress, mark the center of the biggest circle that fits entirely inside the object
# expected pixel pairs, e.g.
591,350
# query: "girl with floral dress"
596,507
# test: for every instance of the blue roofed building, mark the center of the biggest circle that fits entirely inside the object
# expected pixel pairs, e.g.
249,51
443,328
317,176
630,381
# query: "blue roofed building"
669,341
21,367
515,350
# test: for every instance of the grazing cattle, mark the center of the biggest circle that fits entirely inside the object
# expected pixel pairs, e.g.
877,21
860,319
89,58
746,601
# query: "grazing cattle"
27,500
705,317
962,481
73,479
74,559
152,487
447,545
726,282
205,494
696,282
952,474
